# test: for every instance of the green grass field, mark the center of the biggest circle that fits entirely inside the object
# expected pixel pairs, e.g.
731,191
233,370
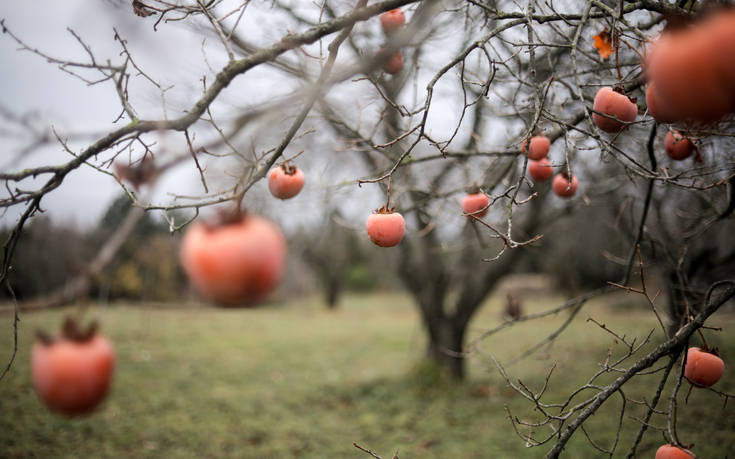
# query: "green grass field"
297,380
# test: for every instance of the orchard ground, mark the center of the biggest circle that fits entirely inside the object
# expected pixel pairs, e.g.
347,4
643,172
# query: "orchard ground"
297,380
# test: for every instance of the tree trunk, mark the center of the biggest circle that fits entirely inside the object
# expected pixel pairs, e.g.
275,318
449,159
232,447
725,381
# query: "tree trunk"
332,288
445,337
446,340
677,303
328,272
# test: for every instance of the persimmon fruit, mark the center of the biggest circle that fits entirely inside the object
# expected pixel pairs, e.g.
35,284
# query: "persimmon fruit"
540,170
73,372
721,28
677,146
475,204
286,181
393,63
693,69
564,187
385,227
235,263
614,104
683,66
392,20
659,111
538,147
703,368
672,452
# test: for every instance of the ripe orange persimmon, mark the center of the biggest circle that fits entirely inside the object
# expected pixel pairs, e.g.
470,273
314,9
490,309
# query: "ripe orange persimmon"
538,147
392,20
540,170
694,69
657,110
721,28
563,187
234,263
672,452
475,204
703,368
613,103
385,227
393,63
677,146
72,373
286,181
683,66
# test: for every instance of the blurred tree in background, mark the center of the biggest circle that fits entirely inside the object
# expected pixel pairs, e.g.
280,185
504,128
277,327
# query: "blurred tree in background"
147,265
49,255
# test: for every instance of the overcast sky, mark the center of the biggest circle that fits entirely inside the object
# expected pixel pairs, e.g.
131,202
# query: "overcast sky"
175,56
34,87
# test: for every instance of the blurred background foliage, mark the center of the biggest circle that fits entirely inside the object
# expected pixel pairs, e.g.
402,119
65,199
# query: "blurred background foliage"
327,259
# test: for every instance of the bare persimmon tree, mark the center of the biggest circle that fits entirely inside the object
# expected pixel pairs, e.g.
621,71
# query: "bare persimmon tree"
476,81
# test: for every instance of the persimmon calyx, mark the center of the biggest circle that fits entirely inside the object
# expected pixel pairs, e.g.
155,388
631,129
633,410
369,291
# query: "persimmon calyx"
70,331
225,216
288,168
620,90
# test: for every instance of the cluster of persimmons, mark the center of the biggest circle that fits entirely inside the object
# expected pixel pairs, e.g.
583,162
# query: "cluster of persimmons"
391,22
703,368
240,258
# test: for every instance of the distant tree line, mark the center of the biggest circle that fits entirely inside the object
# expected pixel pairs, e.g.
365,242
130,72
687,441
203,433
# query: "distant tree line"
338,259
50,254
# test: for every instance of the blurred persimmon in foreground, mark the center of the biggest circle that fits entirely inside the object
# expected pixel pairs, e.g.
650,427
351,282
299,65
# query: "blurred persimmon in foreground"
691,71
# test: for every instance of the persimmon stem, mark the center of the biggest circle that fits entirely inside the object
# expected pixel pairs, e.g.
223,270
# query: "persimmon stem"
704,341
387,202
